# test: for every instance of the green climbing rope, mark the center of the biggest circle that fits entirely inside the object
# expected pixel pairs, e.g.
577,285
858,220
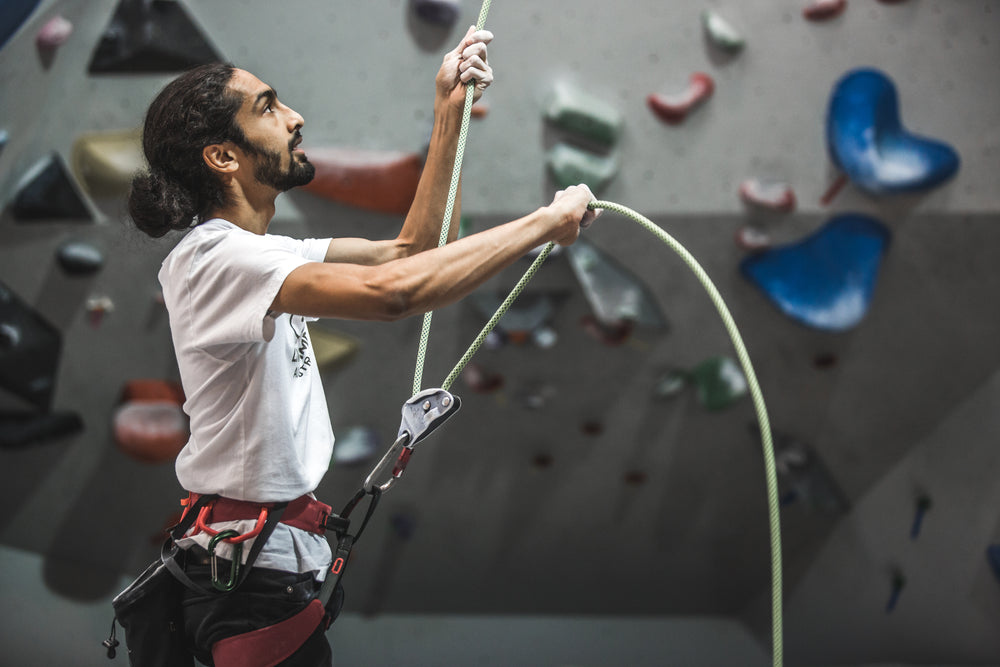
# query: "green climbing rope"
741,353
456,172
713,293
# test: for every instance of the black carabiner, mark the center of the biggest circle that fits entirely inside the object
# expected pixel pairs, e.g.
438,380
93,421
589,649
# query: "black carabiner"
225,586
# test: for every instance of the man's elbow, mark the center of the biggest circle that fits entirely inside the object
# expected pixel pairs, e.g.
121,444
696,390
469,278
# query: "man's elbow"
395,298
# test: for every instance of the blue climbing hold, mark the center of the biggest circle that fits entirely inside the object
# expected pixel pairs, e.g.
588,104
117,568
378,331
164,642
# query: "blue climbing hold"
869,143
993,556
825,281
13,13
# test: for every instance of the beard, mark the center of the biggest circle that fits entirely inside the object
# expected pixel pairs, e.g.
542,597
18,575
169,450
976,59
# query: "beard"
269,172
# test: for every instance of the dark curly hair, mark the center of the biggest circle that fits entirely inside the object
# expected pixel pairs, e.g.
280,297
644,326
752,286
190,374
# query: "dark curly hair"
194,110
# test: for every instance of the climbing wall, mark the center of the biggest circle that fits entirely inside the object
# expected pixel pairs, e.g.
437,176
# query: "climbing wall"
606,459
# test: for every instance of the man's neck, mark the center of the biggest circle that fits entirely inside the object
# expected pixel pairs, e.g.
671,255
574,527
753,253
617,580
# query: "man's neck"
252,213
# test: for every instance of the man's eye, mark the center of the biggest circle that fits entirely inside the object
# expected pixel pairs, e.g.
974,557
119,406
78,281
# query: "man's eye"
268,109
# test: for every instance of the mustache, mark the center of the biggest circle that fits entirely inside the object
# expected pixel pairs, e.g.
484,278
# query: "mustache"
295,140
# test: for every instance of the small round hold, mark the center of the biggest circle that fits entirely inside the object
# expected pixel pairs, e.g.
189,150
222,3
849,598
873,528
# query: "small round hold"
545,337
427,406
54,33
670,384
495,340
542,461
635,478
79,259
446,401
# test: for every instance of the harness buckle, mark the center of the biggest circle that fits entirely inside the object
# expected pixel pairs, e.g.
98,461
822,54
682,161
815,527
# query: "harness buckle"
423,412
225,586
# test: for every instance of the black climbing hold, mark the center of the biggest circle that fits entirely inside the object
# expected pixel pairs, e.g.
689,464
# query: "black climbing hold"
79,258
29,351
155,36
21,429
438,12
48,193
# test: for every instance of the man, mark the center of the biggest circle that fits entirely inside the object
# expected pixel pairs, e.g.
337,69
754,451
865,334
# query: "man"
221,147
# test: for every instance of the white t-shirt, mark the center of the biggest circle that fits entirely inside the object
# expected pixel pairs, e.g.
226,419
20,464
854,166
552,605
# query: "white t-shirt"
260,427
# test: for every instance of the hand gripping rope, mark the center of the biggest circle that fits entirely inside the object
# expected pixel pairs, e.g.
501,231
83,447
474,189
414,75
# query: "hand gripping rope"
429,408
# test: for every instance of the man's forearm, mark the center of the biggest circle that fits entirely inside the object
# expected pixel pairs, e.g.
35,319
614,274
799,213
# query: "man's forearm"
422,227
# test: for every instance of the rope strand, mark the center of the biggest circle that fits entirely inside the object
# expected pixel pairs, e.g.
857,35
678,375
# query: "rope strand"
713,293
456,173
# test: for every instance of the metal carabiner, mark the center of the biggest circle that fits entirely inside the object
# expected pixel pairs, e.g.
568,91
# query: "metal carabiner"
237,556
398,455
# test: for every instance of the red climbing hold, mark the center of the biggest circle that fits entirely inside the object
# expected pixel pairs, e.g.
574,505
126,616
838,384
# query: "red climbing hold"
821,10
673,109
481,380
479,110
773,196
149,425
384,181
152,390
609,334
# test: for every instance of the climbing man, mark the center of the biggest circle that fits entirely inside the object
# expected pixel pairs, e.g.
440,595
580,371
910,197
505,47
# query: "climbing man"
221,147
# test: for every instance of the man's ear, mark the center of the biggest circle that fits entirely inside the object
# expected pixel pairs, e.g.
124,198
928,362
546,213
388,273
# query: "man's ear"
220,157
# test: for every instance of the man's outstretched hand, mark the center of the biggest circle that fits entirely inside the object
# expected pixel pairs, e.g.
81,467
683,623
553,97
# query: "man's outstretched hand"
465,63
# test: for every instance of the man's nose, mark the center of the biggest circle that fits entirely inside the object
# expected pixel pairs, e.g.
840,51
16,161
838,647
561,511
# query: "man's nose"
295,120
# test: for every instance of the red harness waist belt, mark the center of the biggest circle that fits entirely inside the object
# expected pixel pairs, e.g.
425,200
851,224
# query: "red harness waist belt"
305,512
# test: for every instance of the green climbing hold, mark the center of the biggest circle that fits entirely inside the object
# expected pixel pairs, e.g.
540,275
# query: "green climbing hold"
719,382
570,166
584,115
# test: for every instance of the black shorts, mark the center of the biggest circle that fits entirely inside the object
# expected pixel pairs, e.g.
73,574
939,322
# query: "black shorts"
264,598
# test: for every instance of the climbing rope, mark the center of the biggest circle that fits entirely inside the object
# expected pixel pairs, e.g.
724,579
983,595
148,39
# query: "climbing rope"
463,134
713,293
741,353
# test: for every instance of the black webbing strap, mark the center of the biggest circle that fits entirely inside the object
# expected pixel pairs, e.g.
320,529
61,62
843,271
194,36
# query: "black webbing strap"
169,551
345,542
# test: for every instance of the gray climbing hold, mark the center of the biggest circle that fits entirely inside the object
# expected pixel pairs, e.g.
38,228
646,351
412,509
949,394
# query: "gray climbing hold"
79,259
721,33
614,293
584,115
570,166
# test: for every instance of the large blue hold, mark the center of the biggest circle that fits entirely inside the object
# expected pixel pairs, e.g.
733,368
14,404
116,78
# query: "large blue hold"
869,143
13,13
825,281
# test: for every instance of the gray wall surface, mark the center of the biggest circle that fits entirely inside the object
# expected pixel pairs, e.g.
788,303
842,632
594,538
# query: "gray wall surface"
908,405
